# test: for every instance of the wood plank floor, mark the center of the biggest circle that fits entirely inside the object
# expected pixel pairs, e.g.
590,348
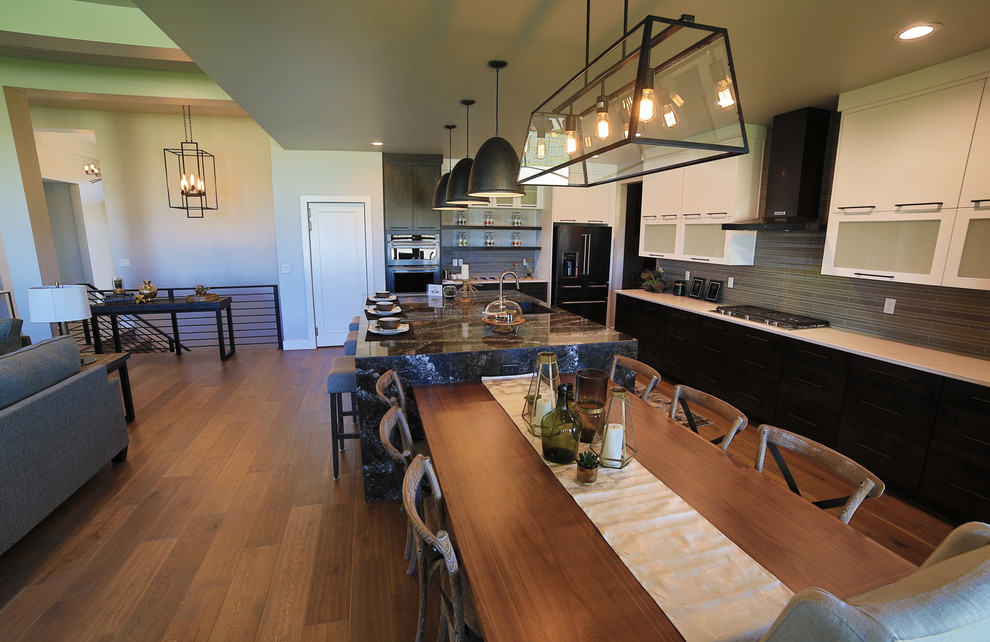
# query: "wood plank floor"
225,522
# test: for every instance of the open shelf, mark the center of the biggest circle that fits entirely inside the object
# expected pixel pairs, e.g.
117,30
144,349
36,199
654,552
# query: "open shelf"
485,247
489,227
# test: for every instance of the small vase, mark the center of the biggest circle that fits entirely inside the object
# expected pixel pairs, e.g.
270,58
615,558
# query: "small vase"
586,475
148,290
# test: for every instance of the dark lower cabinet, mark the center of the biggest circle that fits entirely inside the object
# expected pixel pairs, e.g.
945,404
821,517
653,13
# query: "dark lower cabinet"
887,419
535,290
812,387
680,335
646,322
956,478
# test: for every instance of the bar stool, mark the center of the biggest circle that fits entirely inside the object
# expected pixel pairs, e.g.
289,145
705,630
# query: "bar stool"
350,344
355,323
341,380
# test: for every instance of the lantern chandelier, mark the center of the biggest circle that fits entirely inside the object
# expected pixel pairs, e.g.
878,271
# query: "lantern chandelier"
190,174
662,96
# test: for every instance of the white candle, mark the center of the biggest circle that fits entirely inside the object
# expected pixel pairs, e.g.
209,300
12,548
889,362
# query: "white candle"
465,271
544,404
613,446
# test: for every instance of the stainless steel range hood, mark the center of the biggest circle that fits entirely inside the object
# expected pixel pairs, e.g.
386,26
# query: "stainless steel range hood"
794,182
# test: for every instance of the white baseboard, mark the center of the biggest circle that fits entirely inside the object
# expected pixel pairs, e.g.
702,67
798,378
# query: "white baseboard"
299,344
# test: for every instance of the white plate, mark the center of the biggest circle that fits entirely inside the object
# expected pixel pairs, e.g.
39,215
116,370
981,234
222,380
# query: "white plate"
395,310
376,300
403,327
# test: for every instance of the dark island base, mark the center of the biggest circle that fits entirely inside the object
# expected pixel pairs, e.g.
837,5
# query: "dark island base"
381,481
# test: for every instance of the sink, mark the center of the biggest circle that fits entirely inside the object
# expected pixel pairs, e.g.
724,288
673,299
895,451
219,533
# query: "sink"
532,307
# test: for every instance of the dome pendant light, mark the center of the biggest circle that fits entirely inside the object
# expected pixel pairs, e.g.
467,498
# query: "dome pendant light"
440,193
457,184
496,166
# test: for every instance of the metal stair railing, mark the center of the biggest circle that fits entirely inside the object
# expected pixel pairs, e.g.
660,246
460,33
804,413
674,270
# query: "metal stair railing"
137,334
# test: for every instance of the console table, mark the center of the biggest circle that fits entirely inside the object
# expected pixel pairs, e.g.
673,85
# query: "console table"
165,306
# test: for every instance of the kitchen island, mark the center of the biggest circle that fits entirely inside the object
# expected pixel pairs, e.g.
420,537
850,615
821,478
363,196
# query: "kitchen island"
449,343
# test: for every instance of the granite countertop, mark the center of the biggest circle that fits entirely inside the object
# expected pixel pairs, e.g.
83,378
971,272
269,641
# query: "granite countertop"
937,362
509,284
452,325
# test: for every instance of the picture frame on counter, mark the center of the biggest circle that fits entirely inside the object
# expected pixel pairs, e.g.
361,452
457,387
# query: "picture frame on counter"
697,288
714,291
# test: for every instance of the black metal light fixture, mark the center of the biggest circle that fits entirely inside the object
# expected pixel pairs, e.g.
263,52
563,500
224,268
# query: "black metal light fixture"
190,174
675,69
457,185
440,193
496,165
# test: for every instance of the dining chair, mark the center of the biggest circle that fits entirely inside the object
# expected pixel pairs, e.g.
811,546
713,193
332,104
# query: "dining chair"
437,559
389,389
638,367
394,433
686,395
947,598
867,484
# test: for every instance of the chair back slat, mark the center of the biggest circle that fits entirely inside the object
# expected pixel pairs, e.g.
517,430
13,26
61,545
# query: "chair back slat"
733,416
389,390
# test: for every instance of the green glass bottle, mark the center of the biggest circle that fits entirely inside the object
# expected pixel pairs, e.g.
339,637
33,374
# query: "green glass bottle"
561,429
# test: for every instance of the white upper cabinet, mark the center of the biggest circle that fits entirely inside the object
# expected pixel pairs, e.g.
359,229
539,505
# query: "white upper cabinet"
976,183
584,204
906,155
683,209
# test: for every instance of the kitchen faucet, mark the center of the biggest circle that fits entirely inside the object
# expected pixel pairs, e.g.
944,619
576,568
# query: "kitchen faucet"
502,278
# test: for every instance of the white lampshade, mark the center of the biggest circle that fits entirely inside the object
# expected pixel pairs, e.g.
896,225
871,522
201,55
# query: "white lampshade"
56,304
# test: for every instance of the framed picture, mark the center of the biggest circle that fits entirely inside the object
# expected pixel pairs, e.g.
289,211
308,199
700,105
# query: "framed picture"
714,290
697,288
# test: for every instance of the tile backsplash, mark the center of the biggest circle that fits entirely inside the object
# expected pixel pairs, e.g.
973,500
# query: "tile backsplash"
787,276
487,262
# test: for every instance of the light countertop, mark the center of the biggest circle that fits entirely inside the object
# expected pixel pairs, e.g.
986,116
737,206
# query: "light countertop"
937,362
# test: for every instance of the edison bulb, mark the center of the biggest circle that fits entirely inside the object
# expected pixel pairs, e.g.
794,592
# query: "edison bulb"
541,148
724,92
571,143
602,128
570,134
647,106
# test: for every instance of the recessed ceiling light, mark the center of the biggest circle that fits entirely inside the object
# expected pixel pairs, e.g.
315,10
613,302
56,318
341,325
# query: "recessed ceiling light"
918,31
377,143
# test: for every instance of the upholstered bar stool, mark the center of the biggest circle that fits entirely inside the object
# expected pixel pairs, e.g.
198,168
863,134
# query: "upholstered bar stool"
350,344
341,380
355,324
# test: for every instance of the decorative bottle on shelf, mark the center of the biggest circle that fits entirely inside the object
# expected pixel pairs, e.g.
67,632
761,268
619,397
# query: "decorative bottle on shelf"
615,441
541,397
516,239
489,219
148,290
560,429
462,239
461,218
516,219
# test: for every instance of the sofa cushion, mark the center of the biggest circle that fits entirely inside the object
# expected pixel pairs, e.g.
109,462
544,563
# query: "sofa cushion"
34,368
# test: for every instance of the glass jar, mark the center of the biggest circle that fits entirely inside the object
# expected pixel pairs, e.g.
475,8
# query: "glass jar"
542,395
560,430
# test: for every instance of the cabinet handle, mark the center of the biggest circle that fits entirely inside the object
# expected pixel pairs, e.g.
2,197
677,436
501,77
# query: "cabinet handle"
718,214
979,441
693,215
808,383
707,378
873,450
650,217
966,490
666,216
754,364
879,407
813,354
977,201
889,374
596,220
882,276
711,349
749,396
695,258
980,399
756,338
567,220
802,419
935,203
858,207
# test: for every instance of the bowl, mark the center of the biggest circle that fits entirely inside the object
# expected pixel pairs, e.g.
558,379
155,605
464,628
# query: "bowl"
384,306
382,294
388,323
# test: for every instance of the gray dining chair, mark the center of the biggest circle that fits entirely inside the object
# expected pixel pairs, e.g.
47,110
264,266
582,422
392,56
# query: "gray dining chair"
947,598
686,396
437,559
638,367
866,483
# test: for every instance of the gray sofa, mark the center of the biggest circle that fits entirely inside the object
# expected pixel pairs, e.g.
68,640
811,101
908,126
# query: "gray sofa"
58,427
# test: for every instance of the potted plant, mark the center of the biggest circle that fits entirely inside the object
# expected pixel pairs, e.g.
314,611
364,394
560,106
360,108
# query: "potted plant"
587,467
653,280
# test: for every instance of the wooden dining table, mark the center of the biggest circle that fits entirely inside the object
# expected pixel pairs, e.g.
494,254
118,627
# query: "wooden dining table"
540,570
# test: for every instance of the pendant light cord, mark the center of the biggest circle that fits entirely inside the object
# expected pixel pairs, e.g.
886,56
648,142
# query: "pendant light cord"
496,100
467,131
187,122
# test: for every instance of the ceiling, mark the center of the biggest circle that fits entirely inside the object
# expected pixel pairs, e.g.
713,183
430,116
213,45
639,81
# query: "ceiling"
317,74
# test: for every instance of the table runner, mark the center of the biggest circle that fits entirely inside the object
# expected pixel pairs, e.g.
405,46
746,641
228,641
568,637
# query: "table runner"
708,587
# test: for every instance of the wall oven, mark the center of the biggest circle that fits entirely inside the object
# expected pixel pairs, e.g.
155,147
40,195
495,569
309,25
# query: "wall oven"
412,261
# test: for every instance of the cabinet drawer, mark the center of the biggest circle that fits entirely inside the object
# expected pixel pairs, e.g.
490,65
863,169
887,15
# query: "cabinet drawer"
967,396
896,456
959,487
816,356
813,420
906,382
962,427
808,382
756,399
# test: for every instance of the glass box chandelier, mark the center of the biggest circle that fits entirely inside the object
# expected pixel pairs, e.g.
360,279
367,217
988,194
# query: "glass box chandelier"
663,96
190,174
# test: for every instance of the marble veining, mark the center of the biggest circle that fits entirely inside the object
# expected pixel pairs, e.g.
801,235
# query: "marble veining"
449,343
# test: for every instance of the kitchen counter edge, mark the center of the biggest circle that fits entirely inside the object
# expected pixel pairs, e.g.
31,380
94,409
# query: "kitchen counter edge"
948,364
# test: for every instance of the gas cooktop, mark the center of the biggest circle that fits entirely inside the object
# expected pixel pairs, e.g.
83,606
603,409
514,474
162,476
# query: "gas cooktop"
783,320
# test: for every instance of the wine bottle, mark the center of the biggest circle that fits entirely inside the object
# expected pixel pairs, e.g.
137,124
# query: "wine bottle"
560,429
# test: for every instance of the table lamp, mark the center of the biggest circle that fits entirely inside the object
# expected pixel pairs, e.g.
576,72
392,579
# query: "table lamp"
58,304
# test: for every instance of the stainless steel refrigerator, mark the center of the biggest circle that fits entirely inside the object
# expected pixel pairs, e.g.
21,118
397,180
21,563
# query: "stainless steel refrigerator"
581,258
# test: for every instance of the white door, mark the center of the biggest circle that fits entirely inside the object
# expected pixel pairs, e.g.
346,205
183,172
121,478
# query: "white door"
339,258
